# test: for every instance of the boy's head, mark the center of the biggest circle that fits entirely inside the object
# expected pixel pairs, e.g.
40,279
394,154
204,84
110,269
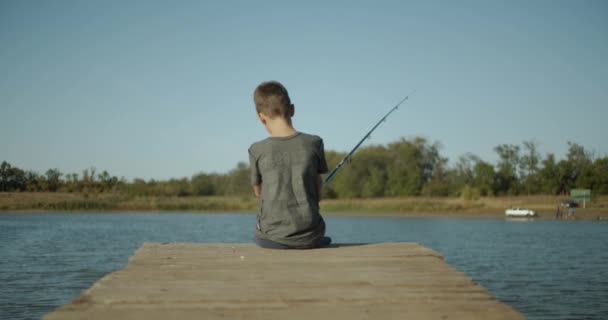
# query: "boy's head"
271,99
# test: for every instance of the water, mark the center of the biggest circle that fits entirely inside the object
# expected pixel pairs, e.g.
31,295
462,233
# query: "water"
545,269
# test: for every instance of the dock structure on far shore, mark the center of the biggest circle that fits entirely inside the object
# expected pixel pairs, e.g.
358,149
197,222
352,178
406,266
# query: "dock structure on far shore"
243,281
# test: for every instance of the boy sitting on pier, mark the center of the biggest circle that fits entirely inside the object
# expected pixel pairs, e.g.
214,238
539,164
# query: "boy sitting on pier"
285,174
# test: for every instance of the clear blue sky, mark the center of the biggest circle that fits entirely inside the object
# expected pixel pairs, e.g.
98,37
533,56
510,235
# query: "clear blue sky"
160,89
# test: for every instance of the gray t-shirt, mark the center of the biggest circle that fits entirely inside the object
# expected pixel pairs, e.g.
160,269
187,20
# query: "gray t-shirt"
287,168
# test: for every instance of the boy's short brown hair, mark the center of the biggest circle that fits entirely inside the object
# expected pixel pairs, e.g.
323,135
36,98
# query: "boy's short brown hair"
271,98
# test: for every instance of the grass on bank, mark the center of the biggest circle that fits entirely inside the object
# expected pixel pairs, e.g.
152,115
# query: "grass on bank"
45,201
490,206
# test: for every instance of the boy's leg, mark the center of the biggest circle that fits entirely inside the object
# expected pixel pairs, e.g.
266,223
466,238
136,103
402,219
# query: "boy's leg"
269,244
325,242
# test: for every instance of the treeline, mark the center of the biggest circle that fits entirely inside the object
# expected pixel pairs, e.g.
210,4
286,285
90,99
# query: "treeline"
416,167
402,168
234,183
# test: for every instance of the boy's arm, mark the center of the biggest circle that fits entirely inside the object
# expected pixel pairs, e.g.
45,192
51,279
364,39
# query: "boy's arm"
321,168
257,190
256,178
319,186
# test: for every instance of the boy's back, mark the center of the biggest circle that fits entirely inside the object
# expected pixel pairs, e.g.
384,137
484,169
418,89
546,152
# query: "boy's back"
287,168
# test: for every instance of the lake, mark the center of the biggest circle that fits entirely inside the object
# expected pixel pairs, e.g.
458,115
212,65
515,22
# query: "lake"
545,269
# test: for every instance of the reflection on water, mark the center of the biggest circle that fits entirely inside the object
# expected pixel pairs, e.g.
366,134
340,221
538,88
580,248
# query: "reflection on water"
545,269
522,219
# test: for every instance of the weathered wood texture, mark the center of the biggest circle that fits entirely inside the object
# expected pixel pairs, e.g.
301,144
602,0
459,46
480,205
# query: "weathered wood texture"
242,281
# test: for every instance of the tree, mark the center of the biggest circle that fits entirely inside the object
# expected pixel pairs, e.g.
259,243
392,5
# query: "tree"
600,173
364,176
432,160
104,178
405,171
549,176
71,183
506,176
402,168
85,183
369,170
31,181
484,177
529,167
53,179
462,174
333,158
108,183
11,178
238,181
565,173
4,176
435,173
176,187
139,187
202,185
580,165
439,185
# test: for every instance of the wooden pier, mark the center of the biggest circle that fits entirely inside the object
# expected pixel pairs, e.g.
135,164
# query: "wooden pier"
242,281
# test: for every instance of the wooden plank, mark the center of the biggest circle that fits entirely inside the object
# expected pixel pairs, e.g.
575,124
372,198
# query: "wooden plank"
243,281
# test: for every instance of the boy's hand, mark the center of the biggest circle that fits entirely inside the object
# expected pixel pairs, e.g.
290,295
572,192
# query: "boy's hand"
257,190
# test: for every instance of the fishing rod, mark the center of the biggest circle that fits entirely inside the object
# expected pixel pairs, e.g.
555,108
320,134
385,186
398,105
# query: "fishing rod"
367,136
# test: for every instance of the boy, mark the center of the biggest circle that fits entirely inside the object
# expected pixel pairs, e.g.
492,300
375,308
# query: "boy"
285,175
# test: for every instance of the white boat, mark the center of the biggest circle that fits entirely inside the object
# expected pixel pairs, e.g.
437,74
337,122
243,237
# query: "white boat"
519,212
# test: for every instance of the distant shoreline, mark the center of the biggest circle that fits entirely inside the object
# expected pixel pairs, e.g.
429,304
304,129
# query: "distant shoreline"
414,207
